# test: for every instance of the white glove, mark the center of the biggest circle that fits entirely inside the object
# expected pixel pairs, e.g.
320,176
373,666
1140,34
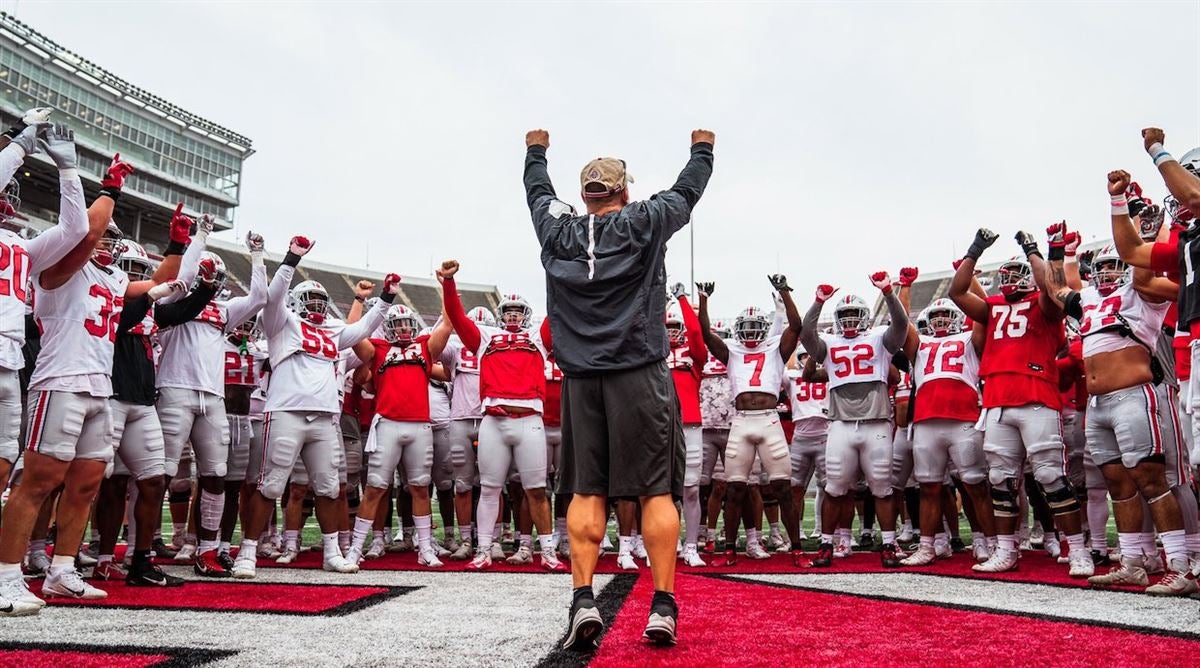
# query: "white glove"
256,246
175,287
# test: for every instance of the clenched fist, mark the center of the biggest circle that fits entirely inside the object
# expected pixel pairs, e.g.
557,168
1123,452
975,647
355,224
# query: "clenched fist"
1118,182
364,289
448,269
1152,136
703,137
537,137
824,292
908,276
300,246
883,281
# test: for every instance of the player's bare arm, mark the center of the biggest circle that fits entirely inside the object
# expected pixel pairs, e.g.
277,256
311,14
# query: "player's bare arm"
1056,277
715,345
1183,184
1037,263
897,331
1129,243
960,286
791,335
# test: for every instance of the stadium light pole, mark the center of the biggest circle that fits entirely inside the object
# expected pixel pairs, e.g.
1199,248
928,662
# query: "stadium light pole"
692,253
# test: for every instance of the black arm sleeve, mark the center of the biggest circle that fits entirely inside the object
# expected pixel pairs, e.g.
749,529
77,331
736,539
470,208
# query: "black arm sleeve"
694,177
537,177
133,313
1073,305
186,309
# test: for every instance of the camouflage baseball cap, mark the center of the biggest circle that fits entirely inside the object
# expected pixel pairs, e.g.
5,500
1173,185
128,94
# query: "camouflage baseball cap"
603,177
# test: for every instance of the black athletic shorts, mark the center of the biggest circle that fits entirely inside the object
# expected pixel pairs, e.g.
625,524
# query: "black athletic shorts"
621,434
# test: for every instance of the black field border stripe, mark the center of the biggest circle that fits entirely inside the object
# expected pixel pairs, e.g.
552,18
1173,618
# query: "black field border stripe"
342,610
181,657
609,602
923,573
1148,630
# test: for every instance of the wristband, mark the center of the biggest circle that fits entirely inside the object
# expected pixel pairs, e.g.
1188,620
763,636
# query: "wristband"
1056,253
388,297
291,259
1158,154
111,192
174,248
360,299
1120,205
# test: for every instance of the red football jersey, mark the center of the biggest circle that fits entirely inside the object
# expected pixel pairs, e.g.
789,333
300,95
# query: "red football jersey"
552,415
1071,380
1019,363
401,375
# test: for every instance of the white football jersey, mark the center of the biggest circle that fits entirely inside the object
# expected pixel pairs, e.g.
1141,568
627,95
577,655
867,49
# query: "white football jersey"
258,398
862,359
714,367
757,369
463,364
439,405
950,357
79,325
1100,325
809,400
243,367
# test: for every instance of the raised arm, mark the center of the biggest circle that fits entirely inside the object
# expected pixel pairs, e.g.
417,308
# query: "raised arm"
714,343
537,177
467,330
811,374
372,319
1037,264
1135,251
697,348
683,196
362,292
1183,184
810,336
897,331
974,306
908,276
51,246
190,265
59,143
188,307
442,329
791,334
242,309
274,314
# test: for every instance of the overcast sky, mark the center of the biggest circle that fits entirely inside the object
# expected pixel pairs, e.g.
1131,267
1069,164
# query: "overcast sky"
850,137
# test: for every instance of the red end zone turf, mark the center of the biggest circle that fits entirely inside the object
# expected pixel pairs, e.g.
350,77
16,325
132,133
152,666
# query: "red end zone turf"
37,658
768,625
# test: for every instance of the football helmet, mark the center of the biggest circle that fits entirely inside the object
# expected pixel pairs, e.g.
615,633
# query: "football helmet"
514,313
10,204
674,322
1015,277
248,330
1109,271
945,318
400,325
310,301
721,330
482,316
1178,212
222,274
1191,161
105,252
922,322
851,316
750,327
133,260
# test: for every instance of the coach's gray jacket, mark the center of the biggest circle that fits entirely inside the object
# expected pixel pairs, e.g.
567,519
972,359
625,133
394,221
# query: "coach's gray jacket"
605,277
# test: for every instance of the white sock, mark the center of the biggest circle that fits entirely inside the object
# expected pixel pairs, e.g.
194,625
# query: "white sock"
889,537
291,539
1075,542
10,571
344,540
927,541
751,536
977,536
62,563
526,540
827,538
376,536
362,526
487,512
330,542
208,546
424,531
1175,545
223,547
560,526
1130,544
38,546
464,534
249,550
626,544
103,558
1193,543
1149,547
1007,542
941,538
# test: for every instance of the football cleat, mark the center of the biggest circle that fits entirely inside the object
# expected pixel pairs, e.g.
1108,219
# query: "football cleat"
710,547
17,608
225,560
481,562
37,563
956,544
866,541
16,592
639,548
209,566
942,550
774,542
980,549
521,557
289,555
1037,536
85,558
551,563
906,534
824,558
842,550
108,570
339,564
755,550
70,584
161,549
451,543
428,558
1174,583
606,544
402,543
150,575
497,552
266,550
354,555
186,554
439,550
1153,564
798,559
1000,561
691,556
378,549
1101,558
626,562
922,557
1127,573
887,556
784,547
1081,564
463,552
244,569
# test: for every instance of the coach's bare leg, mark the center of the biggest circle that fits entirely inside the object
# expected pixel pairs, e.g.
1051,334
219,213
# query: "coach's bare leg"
586,518
660,529
75,506
42,475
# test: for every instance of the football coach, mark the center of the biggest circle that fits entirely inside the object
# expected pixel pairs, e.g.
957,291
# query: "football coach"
606,298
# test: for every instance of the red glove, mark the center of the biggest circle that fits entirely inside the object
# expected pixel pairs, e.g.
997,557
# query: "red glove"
117,171
300,245
957,263
181,226
207,270
908,276
824,292
391,284
1072,243
1057,234
881,280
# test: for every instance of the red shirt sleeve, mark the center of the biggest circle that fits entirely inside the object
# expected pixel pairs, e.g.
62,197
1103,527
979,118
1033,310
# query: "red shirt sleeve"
695,337
466,328
1164,256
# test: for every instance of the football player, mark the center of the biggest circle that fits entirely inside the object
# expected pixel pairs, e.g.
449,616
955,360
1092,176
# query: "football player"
1023,331
756,365
688,356
716,413
858,360
401,366
512,387
1131,421
243,370
810,415
78,302
302,403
